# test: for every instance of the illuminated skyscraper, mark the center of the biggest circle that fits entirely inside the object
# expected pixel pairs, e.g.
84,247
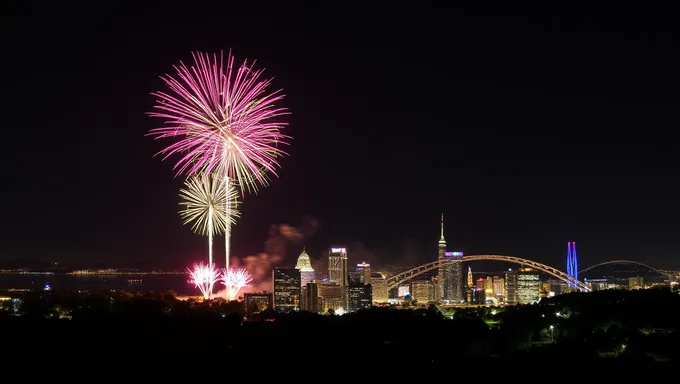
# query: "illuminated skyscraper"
488,286
499,286
528,286
304,265
441,251
286,289
332,295
379,288
337,266
450,277
420,291
511,287
454,291
470,283
365,270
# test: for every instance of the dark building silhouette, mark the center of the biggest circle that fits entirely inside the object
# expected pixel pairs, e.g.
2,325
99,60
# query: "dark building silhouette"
257,302
359,296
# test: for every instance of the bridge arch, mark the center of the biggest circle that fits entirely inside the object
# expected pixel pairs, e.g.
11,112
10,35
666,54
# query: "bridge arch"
662,273
554,272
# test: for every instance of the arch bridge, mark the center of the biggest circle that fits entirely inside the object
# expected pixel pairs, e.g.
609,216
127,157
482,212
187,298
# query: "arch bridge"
660,272
554,272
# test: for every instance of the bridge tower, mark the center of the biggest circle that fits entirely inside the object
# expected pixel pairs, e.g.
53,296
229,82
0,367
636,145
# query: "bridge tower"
572,261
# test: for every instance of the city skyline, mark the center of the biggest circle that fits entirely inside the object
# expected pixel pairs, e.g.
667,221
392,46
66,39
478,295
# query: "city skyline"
524,135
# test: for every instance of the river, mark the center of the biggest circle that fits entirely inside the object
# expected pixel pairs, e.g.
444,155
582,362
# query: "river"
131,283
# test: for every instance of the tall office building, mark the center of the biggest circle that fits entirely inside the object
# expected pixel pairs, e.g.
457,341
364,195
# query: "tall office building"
477,296
310,298
511,295
450,277
359,297
499,286
332,295
454,291
355,278
528,286
379,285
304,265
337,266
365,270
488,286
421,291
286,289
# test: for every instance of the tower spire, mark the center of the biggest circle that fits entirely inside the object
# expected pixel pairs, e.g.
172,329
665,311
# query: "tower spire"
442,227
441,238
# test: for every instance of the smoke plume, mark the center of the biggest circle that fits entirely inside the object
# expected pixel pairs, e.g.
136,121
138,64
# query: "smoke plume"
275,251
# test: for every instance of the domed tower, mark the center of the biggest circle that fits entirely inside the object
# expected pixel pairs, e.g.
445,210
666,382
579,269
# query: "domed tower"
304,265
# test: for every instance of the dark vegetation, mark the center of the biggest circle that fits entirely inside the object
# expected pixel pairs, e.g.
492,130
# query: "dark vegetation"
608,328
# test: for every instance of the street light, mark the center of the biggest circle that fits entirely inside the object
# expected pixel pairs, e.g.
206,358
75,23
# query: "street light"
552,335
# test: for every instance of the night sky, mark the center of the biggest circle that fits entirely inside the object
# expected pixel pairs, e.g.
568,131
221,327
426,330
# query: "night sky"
526,128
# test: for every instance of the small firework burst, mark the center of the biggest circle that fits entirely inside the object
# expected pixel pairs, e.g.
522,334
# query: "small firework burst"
204,277
234,279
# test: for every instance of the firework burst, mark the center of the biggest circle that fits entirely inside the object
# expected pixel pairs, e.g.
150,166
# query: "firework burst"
204,203
204,277
234,279
223,120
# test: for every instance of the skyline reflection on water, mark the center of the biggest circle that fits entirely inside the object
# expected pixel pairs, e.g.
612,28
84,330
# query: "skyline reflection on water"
130,283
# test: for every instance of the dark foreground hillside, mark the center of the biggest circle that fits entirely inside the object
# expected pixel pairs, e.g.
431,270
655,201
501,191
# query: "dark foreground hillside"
617,333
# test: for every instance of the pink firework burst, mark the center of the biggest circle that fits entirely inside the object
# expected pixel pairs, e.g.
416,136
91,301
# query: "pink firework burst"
204,277
235,279
223,119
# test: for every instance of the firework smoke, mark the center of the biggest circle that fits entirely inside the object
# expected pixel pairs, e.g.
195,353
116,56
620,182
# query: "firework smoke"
276,248
204,277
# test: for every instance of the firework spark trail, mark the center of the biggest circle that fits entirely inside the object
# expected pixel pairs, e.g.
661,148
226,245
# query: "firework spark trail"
204,277
223,122
204,203
234,279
